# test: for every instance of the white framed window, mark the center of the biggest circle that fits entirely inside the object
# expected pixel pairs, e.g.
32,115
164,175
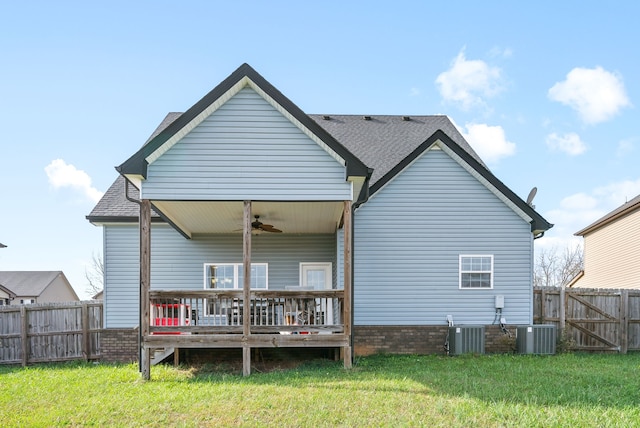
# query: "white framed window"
476,271
230,276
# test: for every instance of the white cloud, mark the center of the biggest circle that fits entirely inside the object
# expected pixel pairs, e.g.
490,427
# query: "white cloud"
581,209
615,194
489,141
569,143
596,94
497,51
61,174
468,82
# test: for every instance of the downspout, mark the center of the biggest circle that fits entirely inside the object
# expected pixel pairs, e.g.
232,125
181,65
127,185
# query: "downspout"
135,201
126,192
364,197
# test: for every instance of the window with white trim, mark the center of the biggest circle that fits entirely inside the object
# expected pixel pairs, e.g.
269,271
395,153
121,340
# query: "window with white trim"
476,271
230,276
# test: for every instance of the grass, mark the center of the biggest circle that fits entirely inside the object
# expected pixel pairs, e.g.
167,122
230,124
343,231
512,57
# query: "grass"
576,390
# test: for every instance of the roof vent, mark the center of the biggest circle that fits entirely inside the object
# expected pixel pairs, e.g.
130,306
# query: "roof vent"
326,117
367,117
406,118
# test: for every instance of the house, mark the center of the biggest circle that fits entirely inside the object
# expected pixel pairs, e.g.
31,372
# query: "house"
26,287
362,233
6,296
612,249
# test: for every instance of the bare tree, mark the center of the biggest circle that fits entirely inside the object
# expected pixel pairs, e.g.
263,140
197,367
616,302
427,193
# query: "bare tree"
95,275
556,268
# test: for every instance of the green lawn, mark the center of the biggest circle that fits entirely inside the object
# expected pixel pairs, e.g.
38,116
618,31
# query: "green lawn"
469,391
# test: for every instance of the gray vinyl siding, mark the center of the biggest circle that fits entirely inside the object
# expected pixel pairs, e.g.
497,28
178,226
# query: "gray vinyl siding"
408,238
121,276
178,263
246,150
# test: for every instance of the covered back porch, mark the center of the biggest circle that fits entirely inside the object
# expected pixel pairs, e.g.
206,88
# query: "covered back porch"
280,316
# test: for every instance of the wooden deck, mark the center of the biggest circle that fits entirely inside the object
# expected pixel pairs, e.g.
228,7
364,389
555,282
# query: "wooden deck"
215,319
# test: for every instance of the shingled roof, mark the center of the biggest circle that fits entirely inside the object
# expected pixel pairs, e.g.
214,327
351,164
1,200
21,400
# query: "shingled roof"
379,145
380,142
383,141
114,204
29,283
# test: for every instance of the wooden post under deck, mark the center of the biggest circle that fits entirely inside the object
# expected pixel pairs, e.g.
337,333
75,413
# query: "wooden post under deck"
145,276
348,226
246,286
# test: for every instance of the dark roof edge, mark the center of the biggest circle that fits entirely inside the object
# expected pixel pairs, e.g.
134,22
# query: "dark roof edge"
11,294
537,223
121,219
621,211
137,164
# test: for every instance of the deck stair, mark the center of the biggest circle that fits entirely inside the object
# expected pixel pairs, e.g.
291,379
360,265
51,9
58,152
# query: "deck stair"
159,354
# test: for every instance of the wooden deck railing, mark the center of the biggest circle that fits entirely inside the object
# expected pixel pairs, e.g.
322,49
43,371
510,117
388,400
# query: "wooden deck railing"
221,311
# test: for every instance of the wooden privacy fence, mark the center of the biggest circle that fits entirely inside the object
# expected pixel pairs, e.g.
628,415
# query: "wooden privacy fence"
50,332
591,319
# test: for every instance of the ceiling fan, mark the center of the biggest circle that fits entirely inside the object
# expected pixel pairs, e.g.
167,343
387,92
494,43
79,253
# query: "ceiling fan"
258,225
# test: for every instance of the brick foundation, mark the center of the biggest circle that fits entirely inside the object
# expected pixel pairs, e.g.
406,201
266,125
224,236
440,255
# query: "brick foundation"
421,339
119,345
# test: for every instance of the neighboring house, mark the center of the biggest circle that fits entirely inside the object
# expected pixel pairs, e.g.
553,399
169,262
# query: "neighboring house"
393,221
612,249
26,287
6,296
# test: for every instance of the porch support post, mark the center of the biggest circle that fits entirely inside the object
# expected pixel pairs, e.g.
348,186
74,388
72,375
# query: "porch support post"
347,282
145,276
246,286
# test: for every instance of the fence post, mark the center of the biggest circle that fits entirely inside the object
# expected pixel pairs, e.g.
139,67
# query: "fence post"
563,314
624,321
543,298
85,331
23,334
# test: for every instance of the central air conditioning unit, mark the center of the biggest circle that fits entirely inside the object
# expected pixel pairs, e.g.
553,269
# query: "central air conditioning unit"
466,339
536,339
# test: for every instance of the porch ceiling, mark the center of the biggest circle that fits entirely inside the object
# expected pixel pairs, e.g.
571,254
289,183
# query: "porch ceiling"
194,217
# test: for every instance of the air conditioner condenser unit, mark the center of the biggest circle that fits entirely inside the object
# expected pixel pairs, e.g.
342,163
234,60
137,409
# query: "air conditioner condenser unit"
536,339
466,339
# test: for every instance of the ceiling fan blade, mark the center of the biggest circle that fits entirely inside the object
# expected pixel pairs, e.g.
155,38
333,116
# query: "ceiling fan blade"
270,228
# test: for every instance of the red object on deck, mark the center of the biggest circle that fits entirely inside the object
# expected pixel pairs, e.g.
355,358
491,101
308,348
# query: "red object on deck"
170,314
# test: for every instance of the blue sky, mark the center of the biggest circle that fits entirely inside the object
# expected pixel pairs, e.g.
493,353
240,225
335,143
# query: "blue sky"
547,92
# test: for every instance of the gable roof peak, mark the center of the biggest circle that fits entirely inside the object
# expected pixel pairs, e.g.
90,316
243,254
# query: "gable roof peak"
243,76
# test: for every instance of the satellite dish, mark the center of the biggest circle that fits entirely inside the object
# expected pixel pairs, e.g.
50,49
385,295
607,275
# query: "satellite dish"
532,194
